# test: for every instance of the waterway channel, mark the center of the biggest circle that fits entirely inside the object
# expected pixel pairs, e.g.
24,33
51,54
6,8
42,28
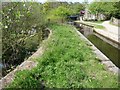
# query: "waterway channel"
106,48
111,52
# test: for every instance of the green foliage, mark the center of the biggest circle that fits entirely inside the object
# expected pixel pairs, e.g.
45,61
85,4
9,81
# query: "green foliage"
116,12
21,21
67,63
92,7
59,14
75,8
62,11
107,8
58,11
26,76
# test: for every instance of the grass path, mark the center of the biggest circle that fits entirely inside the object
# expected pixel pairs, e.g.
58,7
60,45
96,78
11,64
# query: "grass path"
66,63
96,24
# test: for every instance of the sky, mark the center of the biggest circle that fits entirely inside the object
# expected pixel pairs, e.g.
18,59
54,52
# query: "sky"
66,0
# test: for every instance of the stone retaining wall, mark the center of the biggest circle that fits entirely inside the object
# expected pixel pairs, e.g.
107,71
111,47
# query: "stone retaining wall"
115,21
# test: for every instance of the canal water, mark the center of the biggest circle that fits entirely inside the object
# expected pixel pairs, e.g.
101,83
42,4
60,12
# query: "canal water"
111,52
108,50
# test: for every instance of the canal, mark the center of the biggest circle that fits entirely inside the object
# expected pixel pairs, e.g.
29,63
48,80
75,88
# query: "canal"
111,52
108,50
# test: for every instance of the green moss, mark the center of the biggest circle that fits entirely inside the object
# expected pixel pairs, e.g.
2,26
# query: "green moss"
66,63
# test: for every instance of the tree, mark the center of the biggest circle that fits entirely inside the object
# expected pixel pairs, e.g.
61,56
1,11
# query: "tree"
76,7
106,8
116,12
21,22
59,13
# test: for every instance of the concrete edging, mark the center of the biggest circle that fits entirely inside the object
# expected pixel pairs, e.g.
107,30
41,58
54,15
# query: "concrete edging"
104,60
107,39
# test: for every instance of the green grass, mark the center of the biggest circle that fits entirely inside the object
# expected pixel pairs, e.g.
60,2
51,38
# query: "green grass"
98,22
99,26
96,26
66,63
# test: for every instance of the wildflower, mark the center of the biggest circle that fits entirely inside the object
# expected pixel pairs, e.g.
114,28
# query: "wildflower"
6,26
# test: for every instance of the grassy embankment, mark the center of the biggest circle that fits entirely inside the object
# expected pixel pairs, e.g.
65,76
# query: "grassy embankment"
66,63
96,25
99,26
98,22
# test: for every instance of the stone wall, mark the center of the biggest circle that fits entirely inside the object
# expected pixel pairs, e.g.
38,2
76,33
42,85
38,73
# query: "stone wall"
115,21
87,30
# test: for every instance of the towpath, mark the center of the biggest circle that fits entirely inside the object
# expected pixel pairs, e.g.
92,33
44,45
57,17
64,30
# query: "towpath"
111,31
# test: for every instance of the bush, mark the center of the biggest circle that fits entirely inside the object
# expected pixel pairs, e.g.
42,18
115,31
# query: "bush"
59,14
20,21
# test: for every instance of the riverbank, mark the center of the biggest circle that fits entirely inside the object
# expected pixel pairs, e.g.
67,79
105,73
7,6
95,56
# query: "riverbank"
68,62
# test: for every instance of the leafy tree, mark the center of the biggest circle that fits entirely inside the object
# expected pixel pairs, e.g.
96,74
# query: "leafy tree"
59,13
76,7
116,12
21,22
109,9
